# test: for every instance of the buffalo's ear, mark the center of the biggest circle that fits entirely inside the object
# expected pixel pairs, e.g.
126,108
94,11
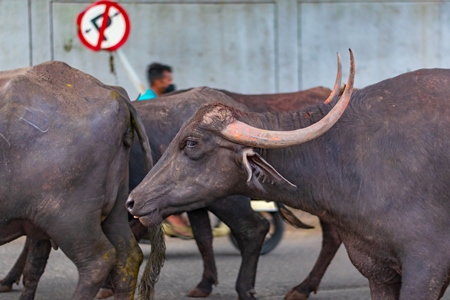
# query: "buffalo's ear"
260,172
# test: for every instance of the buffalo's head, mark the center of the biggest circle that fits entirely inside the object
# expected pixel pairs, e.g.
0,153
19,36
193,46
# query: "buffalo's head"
213,156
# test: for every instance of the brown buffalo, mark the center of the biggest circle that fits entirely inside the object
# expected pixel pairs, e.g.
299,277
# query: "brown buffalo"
163,118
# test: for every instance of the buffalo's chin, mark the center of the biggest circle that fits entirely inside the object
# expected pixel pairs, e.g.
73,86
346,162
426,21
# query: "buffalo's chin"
152,219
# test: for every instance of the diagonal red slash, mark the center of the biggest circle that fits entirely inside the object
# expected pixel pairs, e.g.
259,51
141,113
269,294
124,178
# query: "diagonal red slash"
101,33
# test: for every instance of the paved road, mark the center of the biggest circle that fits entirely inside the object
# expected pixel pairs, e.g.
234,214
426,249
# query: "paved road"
278,271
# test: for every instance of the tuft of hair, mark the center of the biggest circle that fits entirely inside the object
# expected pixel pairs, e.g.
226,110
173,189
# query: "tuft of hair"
289,217
216,116
154,264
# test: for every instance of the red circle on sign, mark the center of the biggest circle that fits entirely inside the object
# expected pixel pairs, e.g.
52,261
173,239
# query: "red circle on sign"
104,25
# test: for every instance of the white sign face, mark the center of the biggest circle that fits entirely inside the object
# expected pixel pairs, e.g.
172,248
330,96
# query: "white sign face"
103,26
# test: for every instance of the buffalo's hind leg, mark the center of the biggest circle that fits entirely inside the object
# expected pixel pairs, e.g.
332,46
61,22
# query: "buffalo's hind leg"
250,229
14,274
87,247
330,244
201,228
129,255
106,290
139,232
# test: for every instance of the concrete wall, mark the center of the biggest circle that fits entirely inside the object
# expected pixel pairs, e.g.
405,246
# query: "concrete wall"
251,46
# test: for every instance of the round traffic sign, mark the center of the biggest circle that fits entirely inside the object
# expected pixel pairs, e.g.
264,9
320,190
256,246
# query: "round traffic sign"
103,26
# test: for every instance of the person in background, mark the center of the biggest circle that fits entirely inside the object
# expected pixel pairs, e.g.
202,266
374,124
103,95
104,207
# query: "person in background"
160,80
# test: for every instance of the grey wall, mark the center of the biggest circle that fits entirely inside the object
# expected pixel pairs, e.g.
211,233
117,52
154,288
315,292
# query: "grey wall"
243,46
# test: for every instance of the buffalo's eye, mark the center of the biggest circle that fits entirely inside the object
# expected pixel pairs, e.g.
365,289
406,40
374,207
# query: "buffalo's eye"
191,143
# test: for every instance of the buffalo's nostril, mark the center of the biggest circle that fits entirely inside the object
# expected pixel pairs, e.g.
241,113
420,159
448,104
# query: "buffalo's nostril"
130,204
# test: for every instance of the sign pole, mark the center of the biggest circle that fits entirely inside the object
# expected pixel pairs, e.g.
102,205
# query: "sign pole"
105,25
130,71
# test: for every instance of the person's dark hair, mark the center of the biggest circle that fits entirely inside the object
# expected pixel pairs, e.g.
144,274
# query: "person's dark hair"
155,71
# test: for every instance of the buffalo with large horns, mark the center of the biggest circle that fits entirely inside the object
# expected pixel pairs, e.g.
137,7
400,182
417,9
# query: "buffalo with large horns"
378,172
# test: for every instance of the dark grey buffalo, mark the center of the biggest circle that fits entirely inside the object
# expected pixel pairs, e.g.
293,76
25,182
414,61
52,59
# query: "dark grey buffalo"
380,174
234,210
65,139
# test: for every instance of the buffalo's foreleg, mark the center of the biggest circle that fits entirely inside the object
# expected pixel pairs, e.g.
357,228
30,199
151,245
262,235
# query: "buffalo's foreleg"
425,269
249,228
330,244
424,274
201,228
34,268
14,274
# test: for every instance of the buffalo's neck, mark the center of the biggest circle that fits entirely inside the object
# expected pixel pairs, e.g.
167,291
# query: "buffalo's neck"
317,167
316,173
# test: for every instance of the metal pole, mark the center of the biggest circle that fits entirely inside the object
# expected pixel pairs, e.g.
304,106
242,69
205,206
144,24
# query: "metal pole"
130,71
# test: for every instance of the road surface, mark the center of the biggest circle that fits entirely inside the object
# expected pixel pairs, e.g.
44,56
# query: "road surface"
278,270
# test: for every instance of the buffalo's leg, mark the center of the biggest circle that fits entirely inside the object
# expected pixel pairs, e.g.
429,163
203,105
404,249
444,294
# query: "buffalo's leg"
250,229
139,232
380,291
201,228
330,244
425,271
129,255
36,261
88,248
106,290
444,288
424,276
14,274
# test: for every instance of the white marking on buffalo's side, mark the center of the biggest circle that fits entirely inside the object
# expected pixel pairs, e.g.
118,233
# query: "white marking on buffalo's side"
38,116
9,145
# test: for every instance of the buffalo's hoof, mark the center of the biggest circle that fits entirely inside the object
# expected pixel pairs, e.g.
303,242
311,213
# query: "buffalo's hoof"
198,293
249,295
296,295
104,293
5,287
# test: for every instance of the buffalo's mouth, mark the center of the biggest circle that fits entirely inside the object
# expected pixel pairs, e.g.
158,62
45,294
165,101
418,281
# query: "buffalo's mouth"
154,213
148,217
152,219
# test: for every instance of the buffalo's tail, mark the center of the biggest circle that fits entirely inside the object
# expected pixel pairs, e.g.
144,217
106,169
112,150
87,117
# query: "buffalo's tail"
138,126
155,233
154,264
